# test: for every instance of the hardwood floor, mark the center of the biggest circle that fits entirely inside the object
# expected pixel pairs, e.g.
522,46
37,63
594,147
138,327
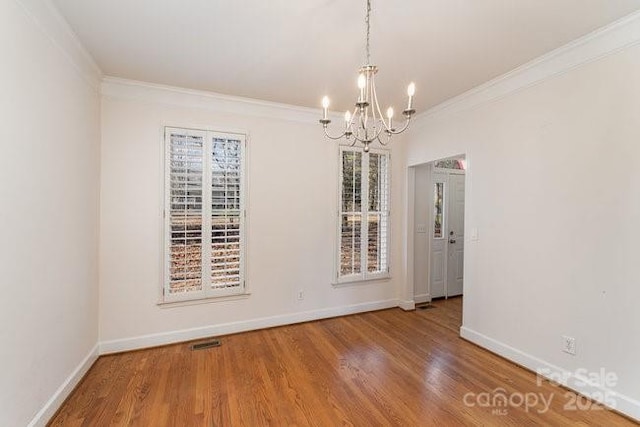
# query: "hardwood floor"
373,369
448,313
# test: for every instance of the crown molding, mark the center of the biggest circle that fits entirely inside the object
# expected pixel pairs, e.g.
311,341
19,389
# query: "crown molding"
617,36
54,26
118,88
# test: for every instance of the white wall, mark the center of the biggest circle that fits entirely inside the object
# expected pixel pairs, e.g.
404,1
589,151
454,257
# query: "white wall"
49,171
552,188
421,232
292,192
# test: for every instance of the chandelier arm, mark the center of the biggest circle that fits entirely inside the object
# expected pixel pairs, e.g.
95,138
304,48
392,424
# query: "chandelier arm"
384,144
326,133
378,132
363,140
361,117
351,119
406,125
369,140
358,139
374,99
374,128
377,106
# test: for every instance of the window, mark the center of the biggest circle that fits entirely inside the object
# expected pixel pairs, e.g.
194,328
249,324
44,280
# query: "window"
363,230
204,214
438,202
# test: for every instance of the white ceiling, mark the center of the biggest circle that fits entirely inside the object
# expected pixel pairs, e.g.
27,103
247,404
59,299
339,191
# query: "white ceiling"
296,51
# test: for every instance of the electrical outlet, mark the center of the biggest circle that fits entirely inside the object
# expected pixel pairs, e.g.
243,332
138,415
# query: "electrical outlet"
300,295
569,344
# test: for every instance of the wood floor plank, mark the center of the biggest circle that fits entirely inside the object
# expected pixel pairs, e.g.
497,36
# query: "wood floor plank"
381,368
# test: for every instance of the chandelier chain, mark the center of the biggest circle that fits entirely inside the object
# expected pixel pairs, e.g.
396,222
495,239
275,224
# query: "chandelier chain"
368,31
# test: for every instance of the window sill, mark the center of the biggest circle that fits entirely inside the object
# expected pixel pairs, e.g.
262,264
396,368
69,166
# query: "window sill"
204,300
348,281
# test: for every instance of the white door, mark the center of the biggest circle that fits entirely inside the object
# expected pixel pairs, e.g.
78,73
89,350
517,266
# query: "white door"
454,202
438,238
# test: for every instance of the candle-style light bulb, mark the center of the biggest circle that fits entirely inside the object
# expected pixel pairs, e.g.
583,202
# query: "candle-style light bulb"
362,84
390,116
325,106
347,119
411,90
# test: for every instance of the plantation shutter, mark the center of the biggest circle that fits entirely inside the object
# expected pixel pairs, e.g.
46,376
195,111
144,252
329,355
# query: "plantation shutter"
378,215
351,214
204,214
226,212
186,159
363,231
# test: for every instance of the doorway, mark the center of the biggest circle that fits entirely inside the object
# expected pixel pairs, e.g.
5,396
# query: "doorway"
447,239
439,238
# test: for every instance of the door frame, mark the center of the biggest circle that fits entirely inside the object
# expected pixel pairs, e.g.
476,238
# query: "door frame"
407,301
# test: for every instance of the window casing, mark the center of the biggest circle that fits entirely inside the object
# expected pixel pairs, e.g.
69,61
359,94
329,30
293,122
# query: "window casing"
363,217
204,214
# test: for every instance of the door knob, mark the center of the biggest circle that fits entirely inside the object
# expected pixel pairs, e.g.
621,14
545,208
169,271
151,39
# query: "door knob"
452,241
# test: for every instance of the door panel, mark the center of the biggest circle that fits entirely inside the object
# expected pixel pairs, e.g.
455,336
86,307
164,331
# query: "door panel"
438,238
455,231
437,270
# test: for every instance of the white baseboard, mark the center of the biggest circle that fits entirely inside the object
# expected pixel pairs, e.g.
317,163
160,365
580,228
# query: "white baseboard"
49,409
577,383
144,341
419,299
407,305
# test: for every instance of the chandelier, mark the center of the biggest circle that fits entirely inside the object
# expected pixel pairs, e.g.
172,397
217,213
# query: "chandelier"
366,124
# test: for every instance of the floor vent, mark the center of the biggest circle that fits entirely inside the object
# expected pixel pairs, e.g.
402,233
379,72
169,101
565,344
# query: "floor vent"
205,344
425,306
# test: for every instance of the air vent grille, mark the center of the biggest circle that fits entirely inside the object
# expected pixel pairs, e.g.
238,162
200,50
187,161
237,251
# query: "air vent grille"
205,344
